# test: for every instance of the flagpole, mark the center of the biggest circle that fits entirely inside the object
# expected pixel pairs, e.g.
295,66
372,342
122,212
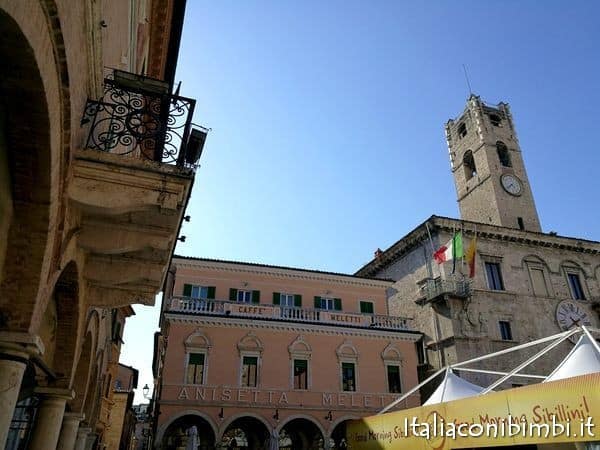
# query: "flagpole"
431,244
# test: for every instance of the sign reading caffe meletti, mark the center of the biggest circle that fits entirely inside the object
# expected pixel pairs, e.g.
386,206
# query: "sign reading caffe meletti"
222,394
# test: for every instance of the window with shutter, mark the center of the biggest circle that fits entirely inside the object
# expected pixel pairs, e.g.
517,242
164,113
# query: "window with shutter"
538,282
366,307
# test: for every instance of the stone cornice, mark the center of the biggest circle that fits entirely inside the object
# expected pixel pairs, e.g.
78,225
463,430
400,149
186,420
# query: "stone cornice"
295,327
282,272
484,232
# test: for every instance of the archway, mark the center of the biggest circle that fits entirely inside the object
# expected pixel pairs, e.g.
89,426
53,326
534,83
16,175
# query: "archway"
247,433
26,190
301,434
181,434
338,436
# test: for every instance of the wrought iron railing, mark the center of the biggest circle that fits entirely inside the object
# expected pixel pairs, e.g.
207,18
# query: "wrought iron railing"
286,313
139,117
433,289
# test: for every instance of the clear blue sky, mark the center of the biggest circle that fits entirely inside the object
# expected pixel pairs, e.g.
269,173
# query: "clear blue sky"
327,123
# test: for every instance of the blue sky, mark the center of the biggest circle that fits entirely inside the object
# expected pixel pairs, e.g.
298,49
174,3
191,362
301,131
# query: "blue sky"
327,119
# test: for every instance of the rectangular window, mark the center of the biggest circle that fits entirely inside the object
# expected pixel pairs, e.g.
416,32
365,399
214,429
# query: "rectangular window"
300,374
195,291
332,304
195,369
393,376
286,300
249,371
348,377
538,282
494,276
326,303
366,307
576,287
505,331
244,296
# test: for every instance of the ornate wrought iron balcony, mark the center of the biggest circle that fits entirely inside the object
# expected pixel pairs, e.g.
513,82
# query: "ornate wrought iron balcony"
139,117
287,313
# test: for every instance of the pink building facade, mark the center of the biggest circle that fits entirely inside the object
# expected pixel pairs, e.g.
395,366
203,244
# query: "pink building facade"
263,357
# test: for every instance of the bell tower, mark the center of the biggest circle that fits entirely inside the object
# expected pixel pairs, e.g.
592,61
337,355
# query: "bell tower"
490,177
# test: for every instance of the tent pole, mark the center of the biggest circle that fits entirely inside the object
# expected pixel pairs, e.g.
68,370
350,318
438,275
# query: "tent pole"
529,361
493,372
412,391
512,349
588,334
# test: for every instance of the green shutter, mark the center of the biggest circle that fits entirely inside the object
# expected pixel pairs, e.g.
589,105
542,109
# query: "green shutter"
337,304
317,302
211,292
187,290
366,307
197,358
300,364
297,300
276,298
233,294
255,296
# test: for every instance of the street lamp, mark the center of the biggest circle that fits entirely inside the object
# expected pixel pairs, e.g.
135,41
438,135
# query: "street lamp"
145,390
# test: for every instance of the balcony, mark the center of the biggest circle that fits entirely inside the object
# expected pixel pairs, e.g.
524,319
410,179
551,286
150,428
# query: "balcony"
130,185
438,289
137,116
287,314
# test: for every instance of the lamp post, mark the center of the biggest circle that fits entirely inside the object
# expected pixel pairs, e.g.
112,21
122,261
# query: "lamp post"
145,391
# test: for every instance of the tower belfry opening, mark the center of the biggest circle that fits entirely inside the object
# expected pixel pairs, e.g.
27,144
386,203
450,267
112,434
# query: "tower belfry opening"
491,181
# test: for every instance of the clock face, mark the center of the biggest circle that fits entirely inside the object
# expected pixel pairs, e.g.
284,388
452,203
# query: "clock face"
569,314
511,184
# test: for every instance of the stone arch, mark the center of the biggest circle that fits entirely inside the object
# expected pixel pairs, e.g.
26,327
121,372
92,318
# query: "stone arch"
347,350
197,340
337,431
299,346
301,428
250,342
566,263
175,417
392,353
27,137
252,427
81,379
227,422
66,299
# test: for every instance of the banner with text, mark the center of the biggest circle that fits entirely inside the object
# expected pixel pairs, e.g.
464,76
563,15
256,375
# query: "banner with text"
554,412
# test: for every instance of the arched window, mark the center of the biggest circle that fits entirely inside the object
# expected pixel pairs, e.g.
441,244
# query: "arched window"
503,154
462,130
469,165
495,119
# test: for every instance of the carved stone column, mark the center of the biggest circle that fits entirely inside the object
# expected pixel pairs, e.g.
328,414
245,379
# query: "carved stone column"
82,435
15,350
49,418
69,431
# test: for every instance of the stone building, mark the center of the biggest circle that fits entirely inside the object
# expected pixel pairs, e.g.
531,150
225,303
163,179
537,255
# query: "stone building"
120,433
96,168
259,356
527,284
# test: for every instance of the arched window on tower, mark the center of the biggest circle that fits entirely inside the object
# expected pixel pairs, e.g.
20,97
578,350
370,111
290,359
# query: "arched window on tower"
503,154
469,165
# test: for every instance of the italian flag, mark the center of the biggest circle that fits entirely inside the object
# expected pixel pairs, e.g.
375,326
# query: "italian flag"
451,251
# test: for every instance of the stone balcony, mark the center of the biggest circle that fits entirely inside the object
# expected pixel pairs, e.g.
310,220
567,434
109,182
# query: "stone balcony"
287,314
129,187
434,290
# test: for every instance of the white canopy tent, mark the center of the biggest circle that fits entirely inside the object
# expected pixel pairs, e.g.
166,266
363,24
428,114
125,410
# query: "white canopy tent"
584,358
453,387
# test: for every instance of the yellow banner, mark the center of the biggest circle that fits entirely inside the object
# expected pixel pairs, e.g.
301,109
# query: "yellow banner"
554,412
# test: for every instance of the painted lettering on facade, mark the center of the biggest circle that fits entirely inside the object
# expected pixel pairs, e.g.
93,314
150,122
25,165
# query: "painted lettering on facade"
283,398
